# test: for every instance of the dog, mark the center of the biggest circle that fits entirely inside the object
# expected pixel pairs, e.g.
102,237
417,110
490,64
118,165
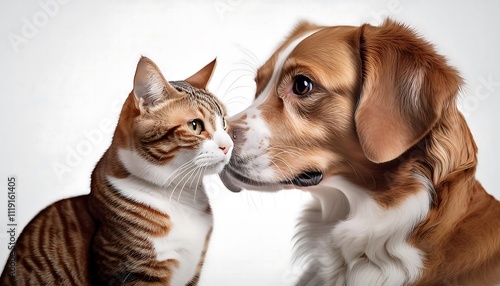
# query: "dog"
365,119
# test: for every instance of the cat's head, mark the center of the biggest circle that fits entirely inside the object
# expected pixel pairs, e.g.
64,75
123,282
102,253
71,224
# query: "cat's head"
172,131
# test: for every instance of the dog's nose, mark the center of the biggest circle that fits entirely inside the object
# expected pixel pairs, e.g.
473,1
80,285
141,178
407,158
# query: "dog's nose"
235,133
232,134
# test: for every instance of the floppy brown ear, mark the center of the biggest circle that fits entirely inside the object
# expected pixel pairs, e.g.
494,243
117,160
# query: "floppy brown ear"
406,85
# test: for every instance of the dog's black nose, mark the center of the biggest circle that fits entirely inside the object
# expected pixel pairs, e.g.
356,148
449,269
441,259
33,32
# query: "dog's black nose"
235,133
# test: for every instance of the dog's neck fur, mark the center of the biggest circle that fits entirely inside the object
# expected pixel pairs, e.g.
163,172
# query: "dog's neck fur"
383,221
459,233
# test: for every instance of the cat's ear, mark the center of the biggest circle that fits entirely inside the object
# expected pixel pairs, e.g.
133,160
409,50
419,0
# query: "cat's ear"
202,77
150,87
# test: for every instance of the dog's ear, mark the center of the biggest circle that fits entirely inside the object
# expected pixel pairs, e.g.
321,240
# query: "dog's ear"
406,85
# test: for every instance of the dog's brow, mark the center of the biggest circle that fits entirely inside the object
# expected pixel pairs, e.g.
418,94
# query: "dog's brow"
283,55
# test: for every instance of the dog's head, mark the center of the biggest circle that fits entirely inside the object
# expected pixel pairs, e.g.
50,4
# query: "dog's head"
332,98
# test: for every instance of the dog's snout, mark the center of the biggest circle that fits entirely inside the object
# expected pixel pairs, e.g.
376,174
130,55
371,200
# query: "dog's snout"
235,132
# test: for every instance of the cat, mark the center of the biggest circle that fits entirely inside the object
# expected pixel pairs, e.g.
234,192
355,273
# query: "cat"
147,219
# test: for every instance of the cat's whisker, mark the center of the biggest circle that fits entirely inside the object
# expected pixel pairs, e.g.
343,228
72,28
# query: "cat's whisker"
198,171
200,175
166,182
188,172
178,171
188,180
205,160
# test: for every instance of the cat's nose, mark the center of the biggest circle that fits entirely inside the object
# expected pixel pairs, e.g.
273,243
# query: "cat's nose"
224,149
224,143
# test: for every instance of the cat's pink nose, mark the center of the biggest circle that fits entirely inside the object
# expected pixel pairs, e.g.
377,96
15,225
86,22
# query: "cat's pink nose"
224,149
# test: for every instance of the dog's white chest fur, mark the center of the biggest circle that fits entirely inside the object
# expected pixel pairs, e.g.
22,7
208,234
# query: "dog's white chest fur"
346,238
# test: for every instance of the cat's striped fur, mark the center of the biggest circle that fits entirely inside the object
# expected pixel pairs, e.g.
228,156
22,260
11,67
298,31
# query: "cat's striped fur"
147,219
53,248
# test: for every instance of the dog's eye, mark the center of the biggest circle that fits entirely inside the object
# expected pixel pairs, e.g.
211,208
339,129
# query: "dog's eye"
302,85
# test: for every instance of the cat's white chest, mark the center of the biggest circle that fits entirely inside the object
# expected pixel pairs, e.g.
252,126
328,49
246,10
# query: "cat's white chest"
184,242
190,223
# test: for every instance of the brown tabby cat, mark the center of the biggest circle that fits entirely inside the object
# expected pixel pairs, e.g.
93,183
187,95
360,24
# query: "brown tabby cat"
147,219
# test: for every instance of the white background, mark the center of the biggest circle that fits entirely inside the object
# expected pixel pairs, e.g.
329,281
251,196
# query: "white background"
66,69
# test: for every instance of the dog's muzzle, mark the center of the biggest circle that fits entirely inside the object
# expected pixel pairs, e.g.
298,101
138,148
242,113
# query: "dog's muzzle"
305,179
234,183
228,182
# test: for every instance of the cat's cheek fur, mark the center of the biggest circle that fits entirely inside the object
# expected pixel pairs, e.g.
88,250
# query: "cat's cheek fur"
215,152
211,159
161,175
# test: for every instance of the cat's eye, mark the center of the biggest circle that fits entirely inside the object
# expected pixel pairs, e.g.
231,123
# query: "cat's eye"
302,85
224,124
196,126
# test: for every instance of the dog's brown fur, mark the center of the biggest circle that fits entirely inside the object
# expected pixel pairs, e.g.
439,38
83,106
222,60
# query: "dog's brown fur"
383,109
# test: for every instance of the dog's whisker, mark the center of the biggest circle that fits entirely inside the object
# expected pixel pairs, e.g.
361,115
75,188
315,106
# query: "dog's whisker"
285,177
250,54
249,67
227,76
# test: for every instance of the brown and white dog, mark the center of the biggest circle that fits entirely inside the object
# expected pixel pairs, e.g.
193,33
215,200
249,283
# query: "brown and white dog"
365,118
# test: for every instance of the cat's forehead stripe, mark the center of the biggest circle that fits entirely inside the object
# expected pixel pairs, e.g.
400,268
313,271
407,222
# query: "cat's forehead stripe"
199,95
